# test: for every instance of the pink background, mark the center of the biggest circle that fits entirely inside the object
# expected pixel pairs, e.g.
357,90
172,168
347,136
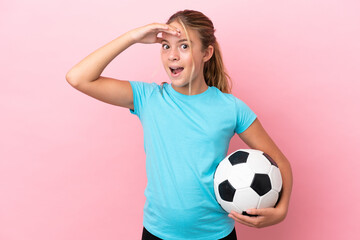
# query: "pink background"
72,167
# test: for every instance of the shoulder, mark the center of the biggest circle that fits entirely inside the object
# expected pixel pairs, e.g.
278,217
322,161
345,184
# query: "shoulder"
227,97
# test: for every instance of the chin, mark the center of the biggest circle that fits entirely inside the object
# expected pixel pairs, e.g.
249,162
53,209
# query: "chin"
179,83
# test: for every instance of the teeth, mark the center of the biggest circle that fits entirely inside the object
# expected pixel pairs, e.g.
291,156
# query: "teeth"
173,69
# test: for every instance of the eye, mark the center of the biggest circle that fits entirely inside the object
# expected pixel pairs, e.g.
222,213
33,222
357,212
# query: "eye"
184,46
165,46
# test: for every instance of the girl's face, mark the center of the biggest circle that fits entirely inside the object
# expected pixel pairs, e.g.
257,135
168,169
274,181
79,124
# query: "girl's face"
178,60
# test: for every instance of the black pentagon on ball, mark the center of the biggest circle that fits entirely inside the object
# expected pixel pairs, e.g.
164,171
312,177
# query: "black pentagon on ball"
270,159
226,191
238,157
261,184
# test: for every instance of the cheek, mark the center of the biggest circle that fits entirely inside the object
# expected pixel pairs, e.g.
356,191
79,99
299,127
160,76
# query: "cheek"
193,62
186,57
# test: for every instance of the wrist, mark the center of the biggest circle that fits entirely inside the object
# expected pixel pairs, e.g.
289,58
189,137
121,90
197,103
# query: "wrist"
130,39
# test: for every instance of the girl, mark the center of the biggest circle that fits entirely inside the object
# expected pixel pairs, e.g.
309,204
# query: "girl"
187,128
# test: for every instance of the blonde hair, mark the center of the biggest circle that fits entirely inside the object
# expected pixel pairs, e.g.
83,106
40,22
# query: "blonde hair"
214,69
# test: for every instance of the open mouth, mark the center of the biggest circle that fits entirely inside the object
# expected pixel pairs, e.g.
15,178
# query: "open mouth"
176,71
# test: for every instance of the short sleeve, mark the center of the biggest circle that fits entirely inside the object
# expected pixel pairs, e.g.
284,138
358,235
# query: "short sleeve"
141,93
244,116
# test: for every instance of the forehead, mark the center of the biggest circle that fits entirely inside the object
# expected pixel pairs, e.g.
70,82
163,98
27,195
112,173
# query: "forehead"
193,34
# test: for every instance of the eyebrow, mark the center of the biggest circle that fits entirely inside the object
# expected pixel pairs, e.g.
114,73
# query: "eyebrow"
181,40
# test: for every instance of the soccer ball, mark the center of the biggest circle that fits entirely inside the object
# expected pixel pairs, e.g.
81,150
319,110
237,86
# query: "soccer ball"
245,179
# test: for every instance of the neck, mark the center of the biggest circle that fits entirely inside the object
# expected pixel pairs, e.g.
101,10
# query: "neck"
197,87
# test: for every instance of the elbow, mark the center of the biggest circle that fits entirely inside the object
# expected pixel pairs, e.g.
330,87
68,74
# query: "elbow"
71,80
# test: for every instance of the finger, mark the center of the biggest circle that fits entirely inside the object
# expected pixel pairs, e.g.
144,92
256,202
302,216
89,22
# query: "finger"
168,29
256,222
254,211
173,32
240,221
160,26
173,28
243,218
259,212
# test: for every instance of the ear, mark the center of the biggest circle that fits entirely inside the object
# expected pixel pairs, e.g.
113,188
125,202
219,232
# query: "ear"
208,53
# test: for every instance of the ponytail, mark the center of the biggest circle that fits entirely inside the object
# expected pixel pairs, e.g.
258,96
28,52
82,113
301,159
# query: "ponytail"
215,73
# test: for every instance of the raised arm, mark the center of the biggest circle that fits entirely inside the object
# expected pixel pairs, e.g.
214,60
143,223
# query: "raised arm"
85,76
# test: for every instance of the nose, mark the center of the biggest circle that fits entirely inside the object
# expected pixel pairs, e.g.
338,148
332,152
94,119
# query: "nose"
173,55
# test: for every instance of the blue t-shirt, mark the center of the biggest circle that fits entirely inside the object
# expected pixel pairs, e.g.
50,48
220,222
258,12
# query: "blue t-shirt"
185,138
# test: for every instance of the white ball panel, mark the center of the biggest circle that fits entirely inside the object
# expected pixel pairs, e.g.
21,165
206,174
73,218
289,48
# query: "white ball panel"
222,171
241,176
245,199
268,200
259,163
275,178
229,206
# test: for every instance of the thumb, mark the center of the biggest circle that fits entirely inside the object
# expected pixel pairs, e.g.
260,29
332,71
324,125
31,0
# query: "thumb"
158,40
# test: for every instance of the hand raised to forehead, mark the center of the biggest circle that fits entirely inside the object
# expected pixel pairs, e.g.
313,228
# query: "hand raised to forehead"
148,33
